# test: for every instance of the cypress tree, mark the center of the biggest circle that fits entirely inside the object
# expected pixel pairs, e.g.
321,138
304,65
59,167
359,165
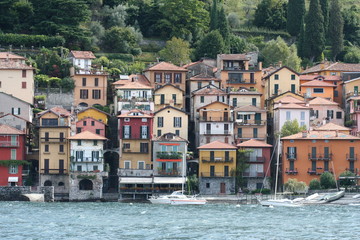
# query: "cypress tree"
300,43
335,31
325,12
295,13
223,26
314,31
214,16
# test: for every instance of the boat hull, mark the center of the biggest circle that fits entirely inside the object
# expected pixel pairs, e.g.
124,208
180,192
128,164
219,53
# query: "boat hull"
280,203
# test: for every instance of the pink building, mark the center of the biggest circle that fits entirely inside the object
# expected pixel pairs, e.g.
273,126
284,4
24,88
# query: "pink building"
91,125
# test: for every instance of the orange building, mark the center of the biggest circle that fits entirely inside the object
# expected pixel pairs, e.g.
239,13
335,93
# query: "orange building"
317,88
309,154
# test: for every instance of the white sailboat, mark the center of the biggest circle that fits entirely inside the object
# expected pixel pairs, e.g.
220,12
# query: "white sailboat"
178,197
284,202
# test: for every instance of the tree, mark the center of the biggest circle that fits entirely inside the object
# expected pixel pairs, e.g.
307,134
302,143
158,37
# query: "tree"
176,51
335,31
347,182
324,4
241,165
301,40
327,180
295,13
237,44
271,14
210,46
223,26
120,39
314,31
293,185
49,62
291,127
149,17
234,21
352,55
314,184
277,50
351,18
214,16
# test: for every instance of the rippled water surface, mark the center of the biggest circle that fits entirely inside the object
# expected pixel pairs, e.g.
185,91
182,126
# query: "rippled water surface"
25,220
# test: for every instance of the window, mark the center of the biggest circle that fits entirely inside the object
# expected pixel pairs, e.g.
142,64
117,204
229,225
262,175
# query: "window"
144,132
338,115
79,168
84,82
288,115
167,77
318,90
95,168
84,123
255,132
126,145
253,101
177,121
158,133
24,73
291,166
96,82
302,115
174,98
292,76
336,93
84,93
95,156
144,147
207,185
330,114
177,132
144,120
13,169
14,140
199,85
97,131
0,84
158,77
141,165
79,142
160,121
239,133
92,123
96,94
95,142
202,99
13,154
61,148
126,131
23,85
234,102
79,155
16,111
78,130
162,99
127,164
276,76
293,88
46,136
177,77
126,119
276,89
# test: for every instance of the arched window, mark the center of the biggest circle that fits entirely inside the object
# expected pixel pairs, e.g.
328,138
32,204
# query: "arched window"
82,104
85,184
47,183
61,184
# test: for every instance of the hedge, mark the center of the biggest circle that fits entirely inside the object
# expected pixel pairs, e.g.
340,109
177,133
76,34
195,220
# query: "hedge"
269,34
17,40
122,56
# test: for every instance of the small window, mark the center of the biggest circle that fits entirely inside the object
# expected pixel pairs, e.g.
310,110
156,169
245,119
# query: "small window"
313,141
207,185
79,142
96,83
292,76
84,123
13,169
318,90
95,142
61,184
97,131
95,168
78,130
144,120
46,148
199,85
202,99
126,119
177,132
276,76
79,168
24,73
126,145
291,141
84,82
23,85
92,123
141,165
61,148
338,115
127,164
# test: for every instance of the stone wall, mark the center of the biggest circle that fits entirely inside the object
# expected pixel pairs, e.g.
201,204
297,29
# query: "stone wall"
16,193
252,183
215,183
76,194
54,99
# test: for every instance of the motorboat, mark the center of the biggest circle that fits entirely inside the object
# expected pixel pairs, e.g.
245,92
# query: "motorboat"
330,197
177,198
280,203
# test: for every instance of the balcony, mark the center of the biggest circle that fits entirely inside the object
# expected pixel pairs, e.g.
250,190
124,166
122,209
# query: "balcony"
128,150
320,157
253,174
217,160
250,136
351,157
125,172
209,132
135,99
53,140
215,119
92,71
143,190
250,122
311,171
169,173
169,155
318,171
86,159
255,159
291,156
291,171
9,143
214,174
54,171
241,81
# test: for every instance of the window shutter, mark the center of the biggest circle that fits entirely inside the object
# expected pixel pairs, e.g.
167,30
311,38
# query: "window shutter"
123,131
130,131
12,111
179,121
19,111
174,121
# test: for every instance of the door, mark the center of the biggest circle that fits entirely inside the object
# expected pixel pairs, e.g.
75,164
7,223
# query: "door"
205,116
293,88
61,166
222,188
46,166
257,118
212,171
208,128
226,116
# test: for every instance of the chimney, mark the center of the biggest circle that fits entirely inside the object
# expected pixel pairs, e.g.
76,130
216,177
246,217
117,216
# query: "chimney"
260,65
280,63
336,133
304,134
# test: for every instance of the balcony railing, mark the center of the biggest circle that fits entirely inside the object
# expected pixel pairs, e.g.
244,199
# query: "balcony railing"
125,172
291,156
320,157
132,99
9,143
215,119
209,132
351,157
217,160
318,171
54,140
92,71
169,155
172,173
255,159
241,81
291,171
253,174
136,190
237,68
250,136
214,174
86,159
54,171
250,122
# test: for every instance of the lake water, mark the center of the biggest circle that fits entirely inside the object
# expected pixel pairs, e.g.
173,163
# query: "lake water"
25,220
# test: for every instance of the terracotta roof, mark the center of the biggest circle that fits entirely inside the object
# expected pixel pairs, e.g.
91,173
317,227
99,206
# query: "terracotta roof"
86,135
127,114
239,57
6,129
337,66
191,64
292,106
14,65
168,85
209,91
321,135
287,93
8,55
317,83
85,118
165,66
290,99
322,101
95,110
332,127
352,80
83,54
316,76
170,137
253,143
56,110
217,145
135,81
204,77
277,70
249,108
207,105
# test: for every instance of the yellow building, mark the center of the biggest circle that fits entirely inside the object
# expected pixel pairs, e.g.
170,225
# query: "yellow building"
54,148
351,87
216,160
279,81
171,120
286,97
169,95
332,68
94,113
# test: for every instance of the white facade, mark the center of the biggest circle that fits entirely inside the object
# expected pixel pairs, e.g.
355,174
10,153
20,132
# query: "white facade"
87,155
134,98
281,115
215,131
81,63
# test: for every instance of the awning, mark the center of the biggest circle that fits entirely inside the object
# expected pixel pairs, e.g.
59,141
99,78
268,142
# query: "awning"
169,180
133,180
13,179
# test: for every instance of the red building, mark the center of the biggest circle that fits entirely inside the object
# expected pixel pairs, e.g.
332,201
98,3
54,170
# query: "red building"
12,149
91,125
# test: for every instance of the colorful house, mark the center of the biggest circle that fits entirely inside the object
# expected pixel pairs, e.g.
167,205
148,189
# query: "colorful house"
334,127
171,119
82,60
354,111
245,97
332,68
257,154
216,161
200,80
91,125
318,88
12,156
13,105
309,154
325,111
169,95
94,113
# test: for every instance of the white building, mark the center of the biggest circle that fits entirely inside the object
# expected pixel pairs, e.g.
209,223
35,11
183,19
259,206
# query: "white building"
82,60
290,112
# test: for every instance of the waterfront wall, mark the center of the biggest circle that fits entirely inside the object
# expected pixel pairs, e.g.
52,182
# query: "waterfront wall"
212,185
86,186
16,193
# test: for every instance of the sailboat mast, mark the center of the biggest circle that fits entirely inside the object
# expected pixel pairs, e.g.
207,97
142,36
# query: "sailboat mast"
183,173
277,165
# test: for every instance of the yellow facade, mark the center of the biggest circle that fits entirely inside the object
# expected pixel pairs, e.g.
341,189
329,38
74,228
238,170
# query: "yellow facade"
134,155
93,113
168,124
285,79
169,95
95,85
219,163
351,88
245,100
328,92
215,111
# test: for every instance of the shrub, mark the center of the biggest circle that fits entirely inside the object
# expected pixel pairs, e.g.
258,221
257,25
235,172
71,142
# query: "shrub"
327,180
314,185
293,185
347,182
31,40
